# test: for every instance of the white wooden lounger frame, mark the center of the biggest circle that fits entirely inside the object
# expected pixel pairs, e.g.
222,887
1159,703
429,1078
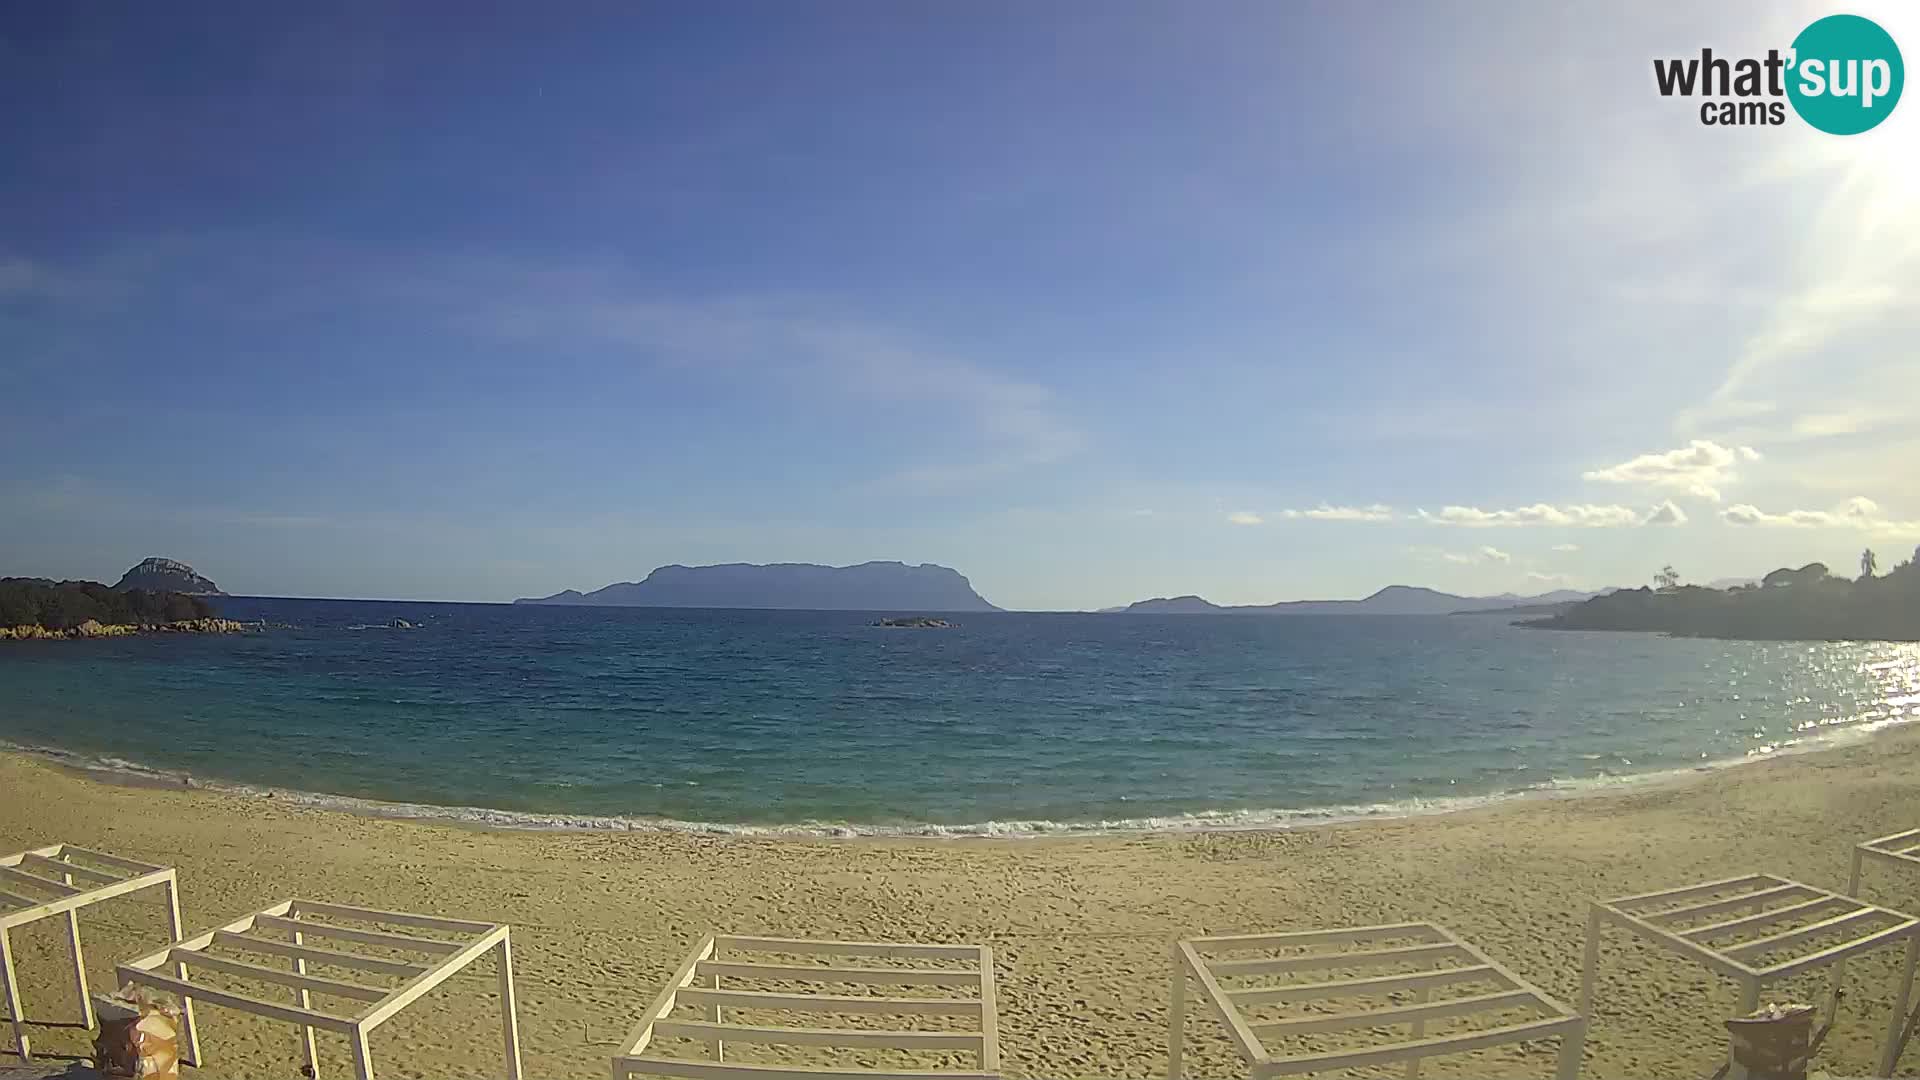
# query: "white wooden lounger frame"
1200,959
706,966
284,930
1902,848
75,885
1740,908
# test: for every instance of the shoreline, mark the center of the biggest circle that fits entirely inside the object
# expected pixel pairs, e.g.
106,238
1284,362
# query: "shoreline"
116,771
1080,925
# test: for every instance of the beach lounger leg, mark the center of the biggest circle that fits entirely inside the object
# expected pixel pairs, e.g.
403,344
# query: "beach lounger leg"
176,932
1572,1045
1853,876
1421,996
1749,1001
1177,1016
306,1002
21,1044
1590,963
1898,1024
79,964
509,1011
362,1058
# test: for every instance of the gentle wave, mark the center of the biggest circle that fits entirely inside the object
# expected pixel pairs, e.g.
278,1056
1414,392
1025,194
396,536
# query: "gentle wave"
1279,818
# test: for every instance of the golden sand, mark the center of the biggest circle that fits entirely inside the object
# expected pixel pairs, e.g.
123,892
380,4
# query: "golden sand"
1081,927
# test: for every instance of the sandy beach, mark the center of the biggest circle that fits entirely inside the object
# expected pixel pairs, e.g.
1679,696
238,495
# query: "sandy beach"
1081,927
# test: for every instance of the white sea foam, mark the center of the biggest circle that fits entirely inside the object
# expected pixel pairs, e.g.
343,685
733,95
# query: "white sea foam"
1202,821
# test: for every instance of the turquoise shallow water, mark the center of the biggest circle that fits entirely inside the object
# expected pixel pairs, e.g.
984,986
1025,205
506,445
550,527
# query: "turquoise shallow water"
1010,722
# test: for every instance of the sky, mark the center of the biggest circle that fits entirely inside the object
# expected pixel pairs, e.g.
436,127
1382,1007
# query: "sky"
1090,301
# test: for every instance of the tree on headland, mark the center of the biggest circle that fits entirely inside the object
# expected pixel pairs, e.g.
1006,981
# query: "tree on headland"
1868,563
1667,578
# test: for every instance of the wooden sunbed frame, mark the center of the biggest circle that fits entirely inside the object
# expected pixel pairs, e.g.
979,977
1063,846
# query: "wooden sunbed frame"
706,965
53,869
1199,959
1655,917
1901,848
251,933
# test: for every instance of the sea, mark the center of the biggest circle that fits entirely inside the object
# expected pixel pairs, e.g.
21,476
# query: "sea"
1007,724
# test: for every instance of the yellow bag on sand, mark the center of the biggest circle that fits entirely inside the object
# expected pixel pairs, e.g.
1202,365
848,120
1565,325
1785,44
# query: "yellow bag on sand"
139,1037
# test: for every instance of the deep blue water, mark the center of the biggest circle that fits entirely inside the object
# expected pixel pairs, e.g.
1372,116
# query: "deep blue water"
767,717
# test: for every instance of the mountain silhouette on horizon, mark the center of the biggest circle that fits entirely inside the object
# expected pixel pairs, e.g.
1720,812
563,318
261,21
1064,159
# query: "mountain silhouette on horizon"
1392,600
868,586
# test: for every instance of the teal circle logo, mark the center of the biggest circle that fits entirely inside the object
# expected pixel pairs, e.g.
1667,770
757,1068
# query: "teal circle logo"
1846,74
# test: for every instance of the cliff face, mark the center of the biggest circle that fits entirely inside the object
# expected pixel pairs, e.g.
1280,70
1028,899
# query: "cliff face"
167,575
873,586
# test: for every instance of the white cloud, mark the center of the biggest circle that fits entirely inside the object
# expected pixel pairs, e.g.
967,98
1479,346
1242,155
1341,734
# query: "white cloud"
1494,554
1666,514
1859,512
1566,547
1457,557
1699,469
1243,517
1323,512
1539,514
1546,579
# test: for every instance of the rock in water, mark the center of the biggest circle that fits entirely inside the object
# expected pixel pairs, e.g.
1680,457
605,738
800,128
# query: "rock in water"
167,575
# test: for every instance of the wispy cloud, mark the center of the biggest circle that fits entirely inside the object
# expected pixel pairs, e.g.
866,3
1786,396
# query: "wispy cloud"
1323,512
1699,468
1566,548
1859,513
1494,554
1244,517
1578,516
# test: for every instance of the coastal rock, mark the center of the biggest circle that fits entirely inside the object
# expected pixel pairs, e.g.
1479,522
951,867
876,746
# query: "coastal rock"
93,628
916,622
168,575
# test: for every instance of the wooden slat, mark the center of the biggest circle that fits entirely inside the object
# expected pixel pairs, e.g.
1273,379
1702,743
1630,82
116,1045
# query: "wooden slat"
120,862
1765,918
1713,960
206,995
1904,835
803,946
1207,946
875,976
754,999
1339,988
12,900
989,1014
364,937
1357,958
1714,907
714,1070
316,955
275,975
396,918
84,873
406,993
642,1031
1844,951
1401,1014
1418,1048
1766,945
22,877
956,1041
1222,1006
1687,892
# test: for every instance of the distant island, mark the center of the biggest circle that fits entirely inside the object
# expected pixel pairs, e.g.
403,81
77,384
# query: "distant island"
156,574
1392,600
33,608
869,586
1787,605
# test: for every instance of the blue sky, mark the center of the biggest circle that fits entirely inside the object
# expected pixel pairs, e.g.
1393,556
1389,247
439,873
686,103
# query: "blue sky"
1092,302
